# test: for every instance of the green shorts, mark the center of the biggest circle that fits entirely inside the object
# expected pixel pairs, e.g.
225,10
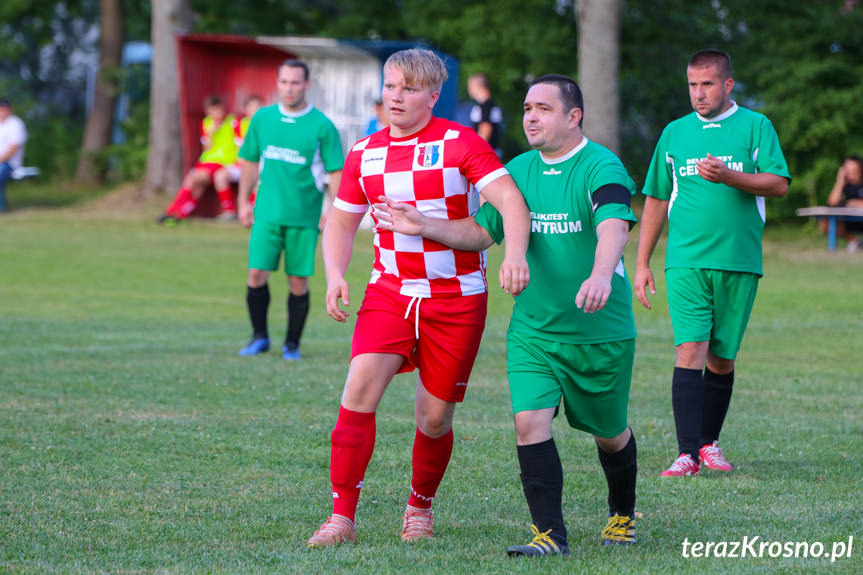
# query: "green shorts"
710,305
593,380
267,242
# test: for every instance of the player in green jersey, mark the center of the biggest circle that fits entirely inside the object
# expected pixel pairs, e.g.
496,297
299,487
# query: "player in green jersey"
709,177
293,144
572,333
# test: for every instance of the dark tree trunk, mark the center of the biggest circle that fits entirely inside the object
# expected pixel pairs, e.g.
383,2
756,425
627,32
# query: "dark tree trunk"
599,68
165,158
100,120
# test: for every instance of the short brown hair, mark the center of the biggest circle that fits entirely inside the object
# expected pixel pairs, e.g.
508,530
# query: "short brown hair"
712,57
419,66
294,63
854,158
570,93
213,101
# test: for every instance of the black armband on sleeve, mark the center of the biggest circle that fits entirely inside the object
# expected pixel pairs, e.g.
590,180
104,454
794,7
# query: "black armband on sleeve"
611,194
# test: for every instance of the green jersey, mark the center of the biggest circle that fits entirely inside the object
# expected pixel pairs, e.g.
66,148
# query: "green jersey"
296,149
711,225
563,242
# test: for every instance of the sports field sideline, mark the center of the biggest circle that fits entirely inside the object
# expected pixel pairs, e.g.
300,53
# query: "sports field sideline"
134,440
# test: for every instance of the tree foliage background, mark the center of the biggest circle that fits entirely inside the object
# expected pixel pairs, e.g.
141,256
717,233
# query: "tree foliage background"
44,50
800,63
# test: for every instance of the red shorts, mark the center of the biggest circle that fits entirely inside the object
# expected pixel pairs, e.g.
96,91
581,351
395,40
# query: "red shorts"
450,330
210,167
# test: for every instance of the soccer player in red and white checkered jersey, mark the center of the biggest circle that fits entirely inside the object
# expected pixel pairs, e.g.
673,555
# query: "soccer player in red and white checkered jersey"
425,304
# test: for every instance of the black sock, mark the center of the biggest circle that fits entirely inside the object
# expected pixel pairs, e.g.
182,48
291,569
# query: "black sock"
620,469
687,400
298,311
717,397
542,482
258,302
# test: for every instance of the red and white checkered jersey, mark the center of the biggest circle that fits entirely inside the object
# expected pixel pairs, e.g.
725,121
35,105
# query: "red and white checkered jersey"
441,171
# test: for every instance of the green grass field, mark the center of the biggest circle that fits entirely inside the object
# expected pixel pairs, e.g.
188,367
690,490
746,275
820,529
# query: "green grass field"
133,439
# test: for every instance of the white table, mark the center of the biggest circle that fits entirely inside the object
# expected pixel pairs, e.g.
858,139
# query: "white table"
832,213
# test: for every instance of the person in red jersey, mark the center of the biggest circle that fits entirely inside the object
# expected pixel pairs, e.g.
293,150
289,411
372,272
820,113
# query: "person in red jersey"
425,304
218,134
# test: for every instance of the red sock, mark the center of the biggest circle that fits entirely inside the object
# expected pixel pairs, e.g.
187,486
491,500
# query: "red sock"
352,443
182,197
184,204
226,200
431,456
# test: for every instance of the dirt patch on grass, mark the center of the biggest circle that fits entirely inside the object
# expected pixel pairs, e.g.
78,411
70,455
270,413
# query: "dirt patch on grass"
127,201
124,202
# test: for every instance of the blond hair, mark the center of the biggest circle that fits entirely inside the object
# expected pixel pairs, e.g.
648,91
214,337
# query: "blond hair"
419,66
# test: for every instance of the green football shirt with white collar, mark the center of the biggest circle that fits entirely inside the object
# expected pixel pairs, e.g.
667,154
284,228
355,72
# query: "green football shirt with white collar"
711,225
294,150
562,245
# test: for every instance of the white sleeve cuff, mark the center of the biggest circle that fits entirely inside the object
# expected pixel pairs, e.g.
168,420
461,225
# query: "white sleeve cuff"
489,178
351,208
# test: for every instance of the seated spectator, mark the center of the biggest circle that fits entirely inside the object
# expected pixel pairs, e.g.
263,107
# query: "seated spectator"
13,136
252,104
848,192
379,121
218,132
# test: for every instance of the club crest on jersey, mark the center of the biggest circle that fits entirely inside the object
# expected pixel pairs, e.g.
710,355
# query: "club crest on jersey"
428,156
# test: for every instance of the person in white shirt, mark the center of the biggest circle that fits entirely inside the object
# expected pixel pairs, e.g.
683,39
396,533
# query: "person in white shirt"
13,136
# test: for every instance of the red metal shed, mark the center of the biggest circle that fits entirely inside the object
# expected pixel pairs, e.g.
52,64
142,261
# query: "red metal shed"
345,81
232,67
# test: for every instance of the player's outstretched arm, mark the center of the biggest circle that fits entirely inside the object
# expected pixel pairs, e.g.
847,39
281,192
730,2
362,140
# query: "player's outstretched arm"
463,234
337,246
505,196
652,221
612,235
